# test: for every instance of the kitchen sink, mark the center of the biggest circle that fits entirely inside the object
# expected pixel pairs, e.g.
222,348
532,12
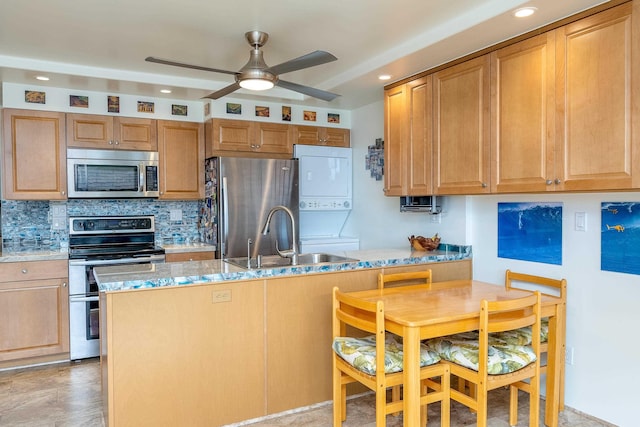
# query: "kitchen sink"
272,261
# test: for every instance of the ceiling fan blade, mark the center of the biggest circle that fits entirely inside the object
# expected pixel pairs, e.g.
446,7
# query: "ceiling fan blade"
316,93
312,59
224,91
180,64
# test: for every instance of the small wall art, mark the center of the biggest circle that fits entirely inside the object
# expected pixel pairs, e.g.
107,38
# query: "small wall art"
530,231
262,111
333,118
113,104
620,237
34,97
374,160
178,110
207,109
233,108
309,116
146,107
78,101
286,113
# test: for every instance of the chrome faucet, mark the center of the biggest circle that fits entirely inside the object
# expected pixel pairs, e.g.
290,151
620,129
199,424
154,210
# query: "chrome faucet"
288,253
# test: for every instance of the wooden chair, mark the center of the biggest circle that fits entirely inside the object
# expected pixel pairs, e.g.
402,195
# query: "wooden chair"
471,361
368,317
546,286
402,279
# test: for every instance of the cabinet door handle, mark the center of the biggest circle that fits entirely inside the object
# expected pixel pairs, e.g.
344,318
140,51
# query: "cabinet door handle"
117,142
64,284
63,192
25,271
110,142
548,182
484,185
557,181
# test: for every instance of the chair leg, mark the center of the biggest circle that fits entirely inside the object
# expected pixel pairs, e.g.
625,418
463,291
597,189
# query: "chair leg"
513,405
381,403
445,404
339,400
481,399
395,396
534,401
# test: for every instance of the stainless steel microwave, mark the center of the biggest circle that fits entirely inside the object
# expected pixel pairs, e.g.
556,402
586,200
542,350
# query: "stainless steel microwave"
112,174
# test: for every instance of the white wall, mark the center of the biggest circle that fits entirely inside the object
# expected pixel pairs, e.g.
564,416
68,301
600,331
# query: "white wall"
376,219
603,308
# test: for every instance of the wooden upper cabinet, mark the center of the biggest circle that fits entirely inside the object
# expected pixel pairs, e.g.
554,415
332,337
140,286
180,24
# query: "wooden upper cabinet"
181,156
420,141
594,91
316,135
408,139
225,136
395,130
462,128
523,147
35,155
273,138
111,132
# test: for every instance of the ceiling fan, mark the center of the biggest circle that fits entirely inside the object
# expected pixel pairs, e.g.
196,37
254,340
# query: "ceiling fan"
257,75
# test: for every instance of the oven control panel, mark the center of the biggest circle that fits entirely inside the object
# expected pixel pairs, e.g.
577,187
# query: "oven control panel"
126,224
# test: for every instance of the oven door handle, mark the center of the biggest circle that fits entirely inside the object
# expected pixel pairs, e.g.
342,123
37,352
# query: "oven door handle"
83,299
136,260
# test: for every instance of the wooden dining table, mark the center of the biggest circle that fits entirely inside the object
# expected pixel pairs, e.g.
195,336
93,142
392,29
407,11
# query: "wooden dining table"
419,312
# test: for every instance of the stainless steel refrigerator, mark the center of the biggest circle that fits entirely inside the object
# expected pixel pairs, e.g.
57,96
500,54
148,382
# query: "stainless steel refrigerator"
240,192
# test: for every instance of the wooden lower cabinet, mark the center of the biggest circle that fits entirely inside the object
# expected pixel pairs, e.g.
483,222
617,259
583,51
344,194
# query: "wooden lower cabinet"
189,256
214,354
34,312
299,336
188,355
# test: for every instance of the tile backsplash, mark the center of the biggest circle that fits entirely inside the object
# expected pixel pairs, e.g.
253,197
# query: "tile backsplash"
27,225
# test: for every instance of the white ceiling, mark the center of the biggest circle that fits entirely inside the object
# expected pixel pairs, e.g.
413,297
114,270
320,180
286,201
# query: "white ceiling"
100,45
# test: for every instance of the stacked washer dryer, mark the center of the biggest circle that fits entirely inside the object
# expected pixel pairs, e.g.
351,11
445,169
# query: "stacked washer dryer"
325,187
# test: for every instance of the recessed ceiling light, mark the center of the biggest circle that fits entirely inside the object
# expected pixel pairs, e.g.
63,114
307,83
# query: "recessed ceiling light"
43,78
384,77
523,12
165,91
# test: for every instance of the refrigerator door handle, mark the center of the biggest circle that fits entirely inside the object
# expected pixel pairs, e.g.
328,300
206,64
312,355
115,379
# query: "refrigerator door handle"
224,218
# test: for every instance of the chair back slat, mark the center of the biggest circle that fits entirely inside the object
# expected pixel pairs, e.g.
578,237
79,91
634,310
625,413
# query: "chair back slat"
546,285
402,279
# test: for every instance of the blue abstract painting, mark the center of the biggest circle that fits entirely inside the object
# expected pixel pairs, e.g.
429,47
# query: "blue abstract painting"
530,232
620,237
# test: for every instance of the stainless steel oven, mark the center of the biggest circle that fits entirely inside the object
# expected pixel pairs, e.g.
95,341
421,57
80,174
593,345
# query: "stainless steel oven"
97,242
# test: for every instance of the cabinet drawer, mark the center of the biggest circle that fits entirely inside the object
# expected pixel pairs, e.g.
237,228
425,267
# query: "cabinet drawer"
33,270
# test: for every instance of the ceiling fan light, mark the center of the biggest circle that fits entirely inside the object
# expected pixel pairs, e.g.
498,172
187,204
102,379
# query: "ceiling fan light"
256,84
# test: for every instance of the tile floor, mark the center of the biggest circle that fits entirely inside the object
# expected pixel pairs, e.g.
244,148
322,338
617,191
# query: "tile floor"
68,395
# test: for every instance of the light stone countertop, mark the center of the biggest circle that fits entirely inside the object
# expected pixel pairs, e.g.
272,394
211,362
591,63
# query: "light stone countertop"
34,255
129,277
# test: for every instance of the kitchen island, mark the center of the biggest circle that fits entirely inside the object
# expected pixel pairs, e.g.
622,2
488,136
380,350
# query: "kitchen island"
209,343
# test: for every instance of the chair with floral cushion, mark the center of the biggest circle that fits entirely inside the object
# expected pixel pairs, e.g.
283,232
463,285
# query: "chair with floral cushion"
376,361
488,363
422,277
546,286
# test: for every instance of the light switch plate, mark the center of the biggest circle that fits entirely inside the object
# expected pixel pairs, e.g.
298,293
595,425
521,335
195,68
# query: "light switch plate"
581,221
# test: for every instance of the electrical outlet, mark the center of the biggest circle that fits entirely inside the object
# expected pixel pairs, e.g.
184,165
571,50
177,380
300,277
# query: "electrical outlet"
568,356
175,214
223,295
